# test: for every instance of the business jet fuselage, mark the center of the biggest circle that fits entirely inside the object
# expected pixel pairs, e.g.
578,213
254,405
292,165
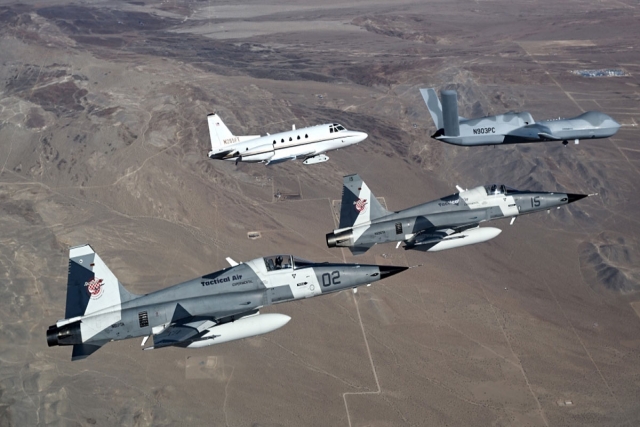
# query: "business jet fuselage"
308,143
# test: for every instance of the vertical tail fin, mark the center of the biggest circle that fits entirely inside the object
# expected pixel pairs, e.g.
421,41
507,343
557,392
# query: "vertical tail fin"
433,104
359,205
219,133
450,112
91,286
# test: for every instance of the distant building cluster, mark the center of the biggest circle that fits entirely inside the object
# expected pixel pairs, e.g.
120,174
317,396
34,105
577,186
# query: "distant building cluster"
604,72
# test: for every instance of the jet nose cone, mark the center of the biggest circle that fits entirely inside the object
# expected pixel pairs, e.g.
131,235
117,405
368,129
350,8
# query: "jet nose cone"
574,197
390,270
361,136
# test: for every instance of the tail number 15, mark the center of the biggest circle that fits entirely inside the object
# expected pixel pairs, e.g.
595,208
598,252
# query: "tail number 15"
535,202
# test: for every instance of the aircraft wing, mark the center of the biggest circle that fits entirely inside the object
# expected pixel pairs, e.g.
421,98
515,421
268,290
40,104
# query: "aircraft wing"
426,239
180,334
186,331
286,159
280,160
548,136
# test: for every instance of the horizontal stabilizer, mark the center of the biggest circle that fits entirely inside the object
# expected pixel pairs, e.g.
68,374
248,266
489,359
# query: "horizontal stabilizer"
433,104
82,351
359,250
222,154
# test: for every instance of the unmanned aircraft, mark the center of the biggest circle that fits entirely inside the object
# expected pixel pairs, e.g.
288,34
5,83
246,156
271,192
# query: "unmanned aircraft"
510,128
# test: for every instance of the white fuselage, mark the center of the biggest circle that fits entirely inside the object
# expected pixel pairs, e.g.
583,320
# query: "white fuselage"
298,143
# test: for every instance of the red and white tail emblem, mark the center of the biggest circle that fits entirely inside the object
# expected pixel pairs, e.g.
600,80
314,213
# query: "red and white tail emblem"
361,204
94,287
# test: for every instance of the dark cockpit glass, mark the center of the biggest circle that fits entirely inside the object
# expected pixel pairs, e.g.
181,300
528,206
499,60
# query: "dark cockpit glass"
499,189
278,262
301,263
339,128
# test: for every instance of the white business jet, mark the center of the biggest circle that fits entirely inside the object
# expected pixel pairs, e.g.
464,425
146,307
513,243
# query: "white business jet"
309,143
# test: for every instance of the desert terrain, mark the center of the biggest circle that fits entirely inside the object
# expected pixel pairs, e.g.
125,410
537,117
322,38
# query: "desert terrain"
104,140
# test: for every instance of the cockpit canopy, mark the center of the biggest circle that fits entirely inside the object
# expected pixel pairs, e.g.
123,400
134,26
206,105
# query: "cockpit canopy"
335,127
283,262
494,189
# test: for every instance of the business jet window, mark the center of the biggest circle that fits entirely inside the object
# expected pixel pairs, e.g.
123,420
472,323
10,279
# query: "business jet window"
331,129
282,140
290,139
306,136
298,136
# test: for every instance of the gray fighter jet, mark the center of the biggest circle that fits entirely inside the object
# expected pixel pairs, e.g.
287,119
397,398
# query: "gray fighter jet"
510,128
447,223
212,309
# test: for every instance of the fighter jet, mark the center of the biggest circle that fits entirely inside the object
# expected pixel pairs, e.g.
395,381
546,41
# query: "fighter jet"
308,143
447,223
510,128
212,309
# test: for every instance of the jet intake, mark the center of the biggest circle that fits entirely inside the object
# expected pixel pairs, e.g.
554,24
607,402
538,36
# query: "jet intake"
450,112
343,238
243,328
64,335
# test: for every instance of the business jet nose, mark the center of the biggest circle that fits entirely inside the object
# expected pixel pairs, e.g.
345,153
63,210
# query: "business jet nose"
361,136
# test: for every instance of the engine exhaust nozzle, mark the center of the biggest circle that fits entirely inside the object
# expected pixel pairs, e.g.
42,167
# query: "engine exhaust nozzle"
343,238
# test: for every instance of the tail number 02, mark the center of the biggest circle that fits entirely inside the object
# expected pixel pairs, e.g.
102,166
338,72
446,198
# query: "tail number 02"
332,278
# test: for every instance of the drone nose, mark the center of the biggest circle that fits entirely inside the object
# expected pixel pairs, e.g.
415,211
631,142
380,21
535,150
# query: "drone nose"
615,124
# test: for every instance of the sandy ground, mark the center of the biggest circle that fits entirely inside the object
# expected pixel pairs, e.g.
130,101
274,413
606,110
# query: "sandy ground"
103,139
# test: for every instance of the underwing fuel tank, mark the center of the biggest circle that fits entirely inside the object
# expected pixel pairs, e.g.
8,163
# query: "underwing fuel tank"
243,328
465,238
